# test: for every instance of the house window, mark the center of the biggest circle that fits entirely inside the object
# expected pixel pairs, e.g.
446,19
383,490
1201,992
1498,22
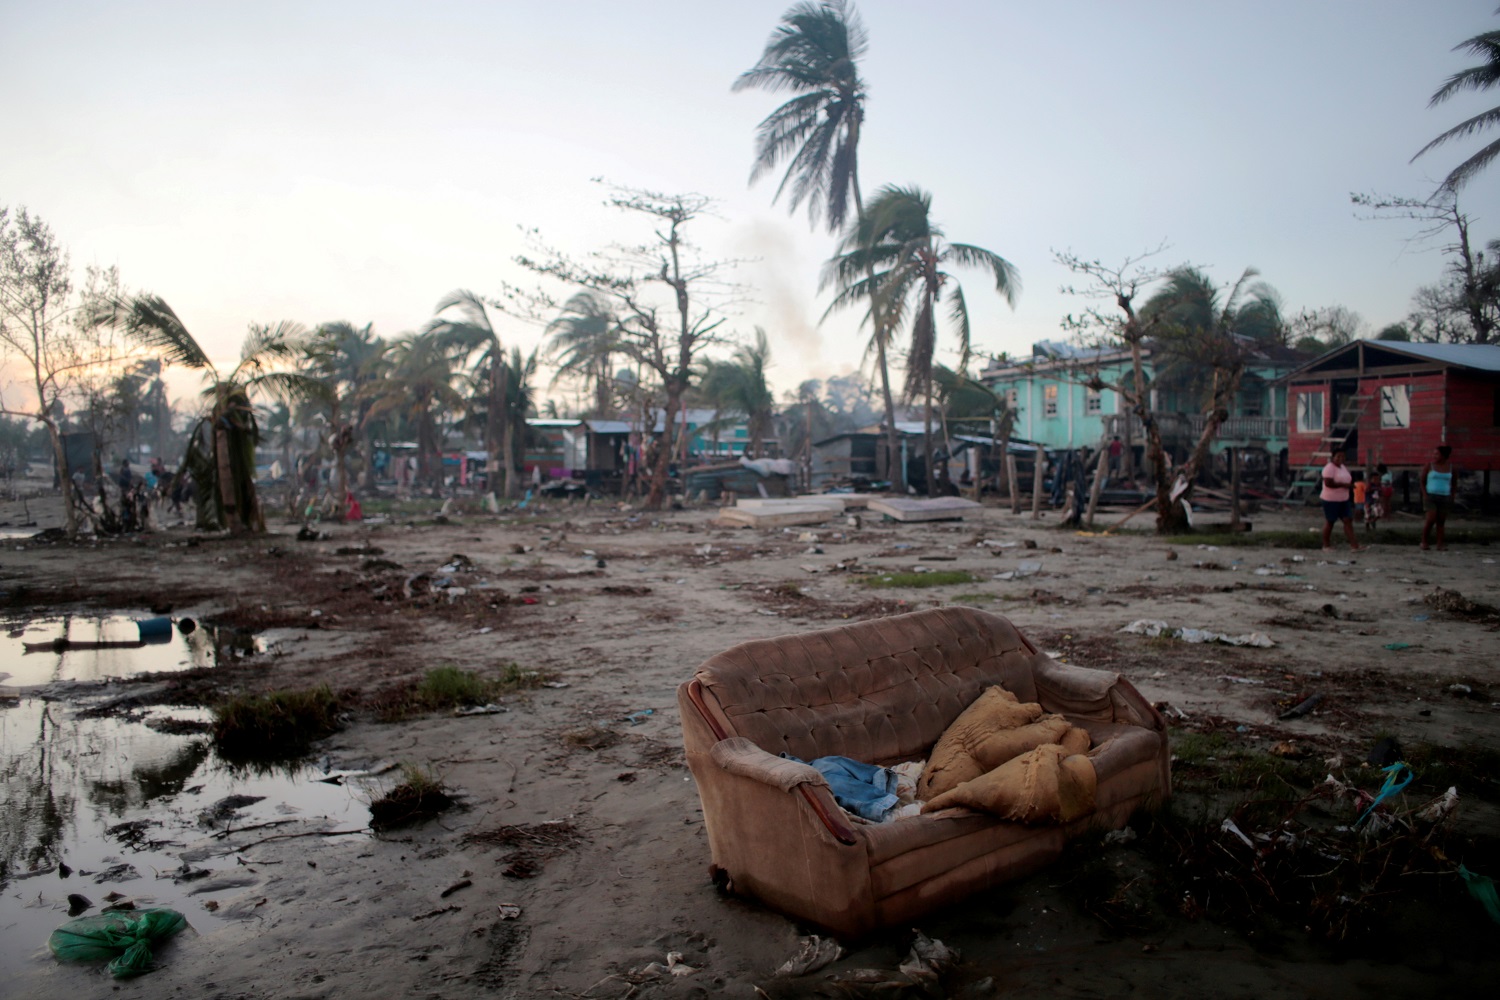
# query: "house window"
1012,399
1049,401
1093,401
1395,406
1310,413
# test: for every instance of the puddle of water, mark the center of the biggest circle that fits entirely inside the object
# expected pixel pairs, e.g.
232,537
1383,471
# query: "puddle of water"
98,794
97,647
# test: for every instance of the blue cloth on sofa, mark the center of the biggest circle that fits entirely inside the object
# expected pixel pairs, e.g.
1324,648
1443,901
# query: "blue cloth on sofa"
866,790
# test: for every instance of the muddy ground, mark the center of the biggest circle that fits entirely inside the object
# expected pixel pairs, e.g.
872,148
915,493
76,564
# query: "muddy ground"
576,806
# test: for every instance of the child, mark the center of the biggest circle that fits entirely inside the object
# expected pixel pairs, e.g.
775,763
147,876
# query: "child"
1376,495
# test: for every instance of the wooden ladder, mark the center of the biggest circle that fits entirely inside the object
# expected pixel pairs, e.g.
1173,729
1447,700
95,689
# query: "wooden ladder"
1311,476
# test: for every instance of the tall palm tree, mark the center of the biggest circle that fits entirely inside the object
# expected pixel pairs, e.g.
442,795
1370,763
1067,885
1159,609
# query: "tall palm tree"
813,54
738,387
1482,77
467,331
221,448
583,342
895,258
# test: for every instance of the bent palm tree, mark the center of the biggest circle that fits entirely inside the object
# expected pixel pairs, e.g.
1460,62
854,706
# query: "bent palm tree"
903,257
1481,77
419,388
221,449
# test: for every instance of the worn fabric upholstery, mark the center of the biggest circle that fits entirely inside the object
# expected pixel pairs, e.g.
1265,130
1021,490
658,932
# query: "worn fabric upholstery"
884,691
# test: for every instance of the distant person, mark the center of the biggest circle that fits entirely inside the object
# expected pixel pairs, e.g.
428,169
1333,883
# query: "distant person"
125,477
1338,504
1376,494
1437,494
1116,450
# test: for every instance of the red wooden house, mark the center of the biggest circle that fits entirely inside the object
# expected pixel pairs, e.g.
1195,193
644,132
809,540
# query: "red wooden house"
1393,402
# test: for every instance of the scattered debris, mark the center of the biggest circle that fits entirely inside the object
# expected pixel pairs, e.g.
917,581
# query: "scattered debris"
455,887
1153,628
1302,707
813,953
508,911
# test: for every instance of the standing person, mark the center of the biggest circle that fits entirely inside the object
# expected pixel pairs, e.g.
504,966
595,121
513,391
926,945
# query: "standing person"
1437,494
1375,497
125,475
1116,449
1338,505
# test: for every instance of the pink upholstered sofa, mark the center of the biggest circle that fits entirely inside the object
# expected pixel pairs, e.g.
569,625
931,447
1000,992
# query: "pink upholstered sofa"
883,691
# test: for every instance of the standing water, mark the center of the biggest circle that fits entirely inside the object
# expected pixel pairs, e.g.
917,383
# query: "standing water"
95,805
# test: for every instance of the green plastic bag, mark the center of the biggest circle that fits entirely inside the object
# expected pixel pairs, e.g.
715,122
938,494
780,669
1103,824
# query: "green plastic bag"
1482,888
125,936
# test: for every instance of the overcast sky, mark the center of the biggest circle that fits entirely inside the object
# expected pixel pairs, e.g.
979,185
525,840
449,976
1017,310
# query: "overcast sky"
324,161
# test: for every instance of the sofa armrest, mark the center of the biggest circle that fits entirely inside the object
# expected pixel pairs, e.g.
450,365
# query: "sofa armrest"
1086,693
738,755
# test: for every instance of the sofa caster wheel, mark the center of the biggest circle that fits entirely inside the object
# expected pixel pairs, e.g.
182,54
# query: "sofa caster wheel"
723,884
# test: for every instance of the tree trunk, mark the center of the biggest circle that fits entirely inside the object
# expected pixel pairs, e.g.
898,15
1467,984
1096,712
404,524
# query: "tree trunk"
931,473
658,493
70,499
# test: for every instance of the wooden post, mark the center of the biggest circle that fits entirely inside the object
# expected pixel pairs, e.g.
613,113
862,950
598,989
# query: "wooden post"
1101,469
1015,487
1038,472
1234,489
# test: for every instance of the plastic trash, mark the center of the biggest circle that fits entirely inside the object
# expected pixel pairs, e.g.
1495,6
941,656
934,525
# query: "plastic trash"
636,718
1482,888
125,937
155,629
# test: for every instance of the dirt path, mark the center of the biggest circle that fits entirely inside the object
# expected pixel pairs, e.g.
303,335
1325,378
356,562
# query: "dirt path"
621,607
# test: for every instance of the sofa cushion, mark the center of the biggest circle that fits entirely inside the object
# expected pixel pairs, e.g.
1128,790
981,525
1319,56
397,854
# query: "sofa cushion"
1047,785
993,730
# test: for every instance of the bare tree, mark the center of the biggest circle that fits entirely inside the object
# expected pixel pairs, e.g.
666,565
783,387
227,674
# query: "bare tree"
665,337
42,327
1471,287
1121,285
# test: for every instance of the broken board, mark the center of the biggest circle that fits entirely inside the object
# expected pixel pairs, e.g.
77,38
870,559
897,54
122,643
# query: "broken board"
781,516
925,508
833,503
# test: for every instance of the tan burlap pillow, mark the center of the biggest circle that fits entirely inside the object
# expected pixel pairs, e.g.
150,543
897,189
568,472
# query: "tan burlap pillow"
991,731
1049,784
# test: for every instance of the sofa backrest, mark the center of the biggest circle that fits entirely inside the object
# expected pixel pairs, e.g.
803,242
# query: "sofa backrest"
879,691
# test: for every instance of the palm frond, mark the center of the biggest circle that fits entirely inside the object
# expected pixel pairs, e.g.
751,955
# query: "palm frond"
1007,278
148,320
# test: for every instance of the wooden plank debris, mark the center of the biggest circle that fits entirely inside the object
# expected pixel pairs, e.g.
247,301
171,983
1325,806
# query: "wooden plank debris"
925,508
781,516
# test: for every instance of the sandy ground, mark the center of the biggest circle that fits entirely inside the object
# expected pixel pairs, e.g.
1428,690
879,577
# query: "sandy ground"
347,916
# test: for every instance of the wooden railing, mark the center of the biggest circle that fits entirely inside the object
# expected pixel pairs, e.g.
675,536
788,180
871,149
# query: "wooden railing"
1188,427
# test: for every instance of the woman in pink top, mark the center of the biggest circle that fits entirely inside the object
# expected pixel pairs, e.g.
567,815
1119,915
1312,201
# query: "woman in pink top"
1338,500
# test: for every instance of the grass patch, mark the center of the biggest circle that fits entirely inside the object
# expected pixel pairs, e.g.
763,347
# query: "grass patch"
447,687
974,599
420,796
282,723
942,578
1470,768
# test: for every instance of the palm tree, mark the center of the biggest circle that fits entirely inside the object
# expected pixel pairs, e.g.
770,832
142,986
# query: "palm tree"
221,448
1479,78
902,257
738,387
468,331
1205,343
584,340
420,388
348,360
813,53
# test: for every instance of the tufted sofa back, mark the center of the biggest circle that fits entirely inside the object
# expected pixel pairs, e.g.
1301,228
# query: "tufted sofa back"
879,691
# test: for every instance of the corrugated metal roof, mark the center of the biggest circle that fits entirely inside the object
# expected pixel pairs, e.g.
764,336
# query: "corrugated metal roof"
1481,357
609,426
